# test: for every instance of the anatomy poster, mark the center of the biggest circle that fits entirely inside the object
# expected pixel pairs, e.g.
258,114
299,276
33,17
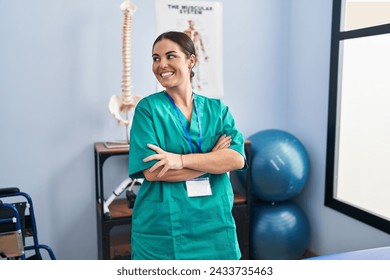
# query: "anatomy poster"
202,21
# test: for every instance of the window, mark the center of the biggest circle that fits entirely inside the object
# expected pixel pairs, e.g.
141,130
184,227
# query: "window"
358,152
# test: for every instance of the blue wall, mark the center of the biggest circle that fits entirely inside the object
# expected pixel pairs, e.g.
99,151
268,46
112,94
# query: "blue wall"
60,62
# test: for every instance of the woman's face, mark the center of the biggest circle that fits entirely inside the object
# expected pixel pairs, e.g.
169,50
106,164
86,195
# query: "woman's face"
171,66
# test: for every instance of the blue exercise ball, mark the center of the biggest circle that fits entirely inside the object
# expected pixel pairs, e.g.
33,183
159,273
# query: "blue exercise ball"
280,165
279,231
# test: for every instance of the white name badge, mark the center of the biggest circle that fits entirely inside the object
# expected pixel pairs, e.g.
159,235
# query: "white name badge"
198,187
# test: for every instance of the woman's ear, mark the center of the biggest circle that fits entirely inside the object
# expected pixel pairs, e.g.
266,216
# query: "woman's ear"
192,61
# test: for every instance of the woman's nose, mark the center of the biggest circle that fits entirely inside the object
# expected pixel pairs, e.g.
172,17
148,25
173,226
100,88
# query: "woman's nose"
163,63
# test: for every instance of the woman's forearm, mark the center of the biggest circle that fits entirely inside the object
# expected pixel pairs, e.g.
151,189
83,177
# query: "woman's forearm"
171,167
215,162
172,175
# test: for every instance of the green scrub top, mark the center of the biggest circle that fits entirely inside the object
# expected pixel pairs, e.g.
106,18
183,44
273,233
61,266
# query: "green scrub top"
166,223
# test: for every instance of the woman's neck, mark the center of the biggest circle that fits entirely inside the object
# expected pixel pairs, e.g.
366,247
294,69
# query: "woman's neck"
182,98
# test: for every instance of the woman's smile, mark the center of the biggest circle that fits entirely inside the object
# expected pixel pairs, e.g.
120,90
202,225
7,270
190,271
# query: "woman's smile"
165,75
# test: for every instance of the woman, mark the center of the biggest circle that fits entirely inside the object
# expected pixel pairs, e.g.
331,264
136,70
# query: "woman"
183,144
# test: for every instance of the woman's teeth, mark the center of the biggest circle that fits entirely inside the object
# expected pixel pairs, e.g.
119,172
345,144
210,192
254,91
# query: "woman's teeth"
166,74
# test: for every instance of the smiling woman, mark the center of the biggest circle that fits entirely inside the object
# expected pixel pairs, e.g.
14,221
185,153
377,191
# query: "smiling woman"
183,144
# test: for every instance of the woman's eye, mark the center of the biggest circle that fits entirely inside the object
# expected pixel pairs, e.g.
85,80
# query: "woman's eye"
170,56
155,59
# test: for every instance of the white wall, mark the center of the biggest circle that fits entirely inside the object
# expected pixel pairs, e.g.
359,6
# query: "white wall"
60,63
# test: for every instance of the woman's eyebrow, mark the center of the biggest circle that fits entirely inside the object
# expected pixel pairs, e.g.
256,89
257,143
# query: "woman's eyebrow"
167,53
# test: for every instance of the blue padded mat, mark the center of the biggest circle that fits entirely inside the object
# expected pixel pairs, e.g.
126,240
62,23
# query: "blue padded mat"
382,253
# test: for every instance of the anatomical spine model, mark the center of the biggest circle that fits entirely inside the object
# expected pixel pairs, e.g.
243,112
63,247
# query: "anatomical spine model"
127,101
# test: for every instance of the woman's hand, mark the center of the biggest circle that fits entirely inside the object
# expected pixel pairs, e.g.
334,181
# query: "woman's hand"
165,159
222,143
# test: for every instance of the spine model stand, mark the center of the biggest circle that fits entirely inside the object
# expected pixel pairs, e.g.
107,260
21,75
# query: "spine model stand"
127,101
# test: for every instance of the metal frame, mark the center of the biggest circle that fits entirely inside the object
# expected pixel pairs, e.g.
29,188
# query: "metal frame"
16,218
337,38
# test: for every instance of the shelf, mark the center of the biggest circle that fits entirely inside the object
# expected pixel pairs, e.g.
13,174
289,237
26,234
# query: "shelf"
114,229
102,149
120,247
239,199
119,208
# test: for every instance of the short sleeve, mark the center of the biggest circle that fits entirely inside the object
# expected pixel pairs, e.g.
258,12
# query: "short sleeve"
142,133
229,128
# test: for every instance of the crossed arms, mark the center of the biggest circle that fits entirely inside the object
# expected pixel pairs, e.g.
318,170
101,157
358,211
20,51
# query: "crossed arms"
177,167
